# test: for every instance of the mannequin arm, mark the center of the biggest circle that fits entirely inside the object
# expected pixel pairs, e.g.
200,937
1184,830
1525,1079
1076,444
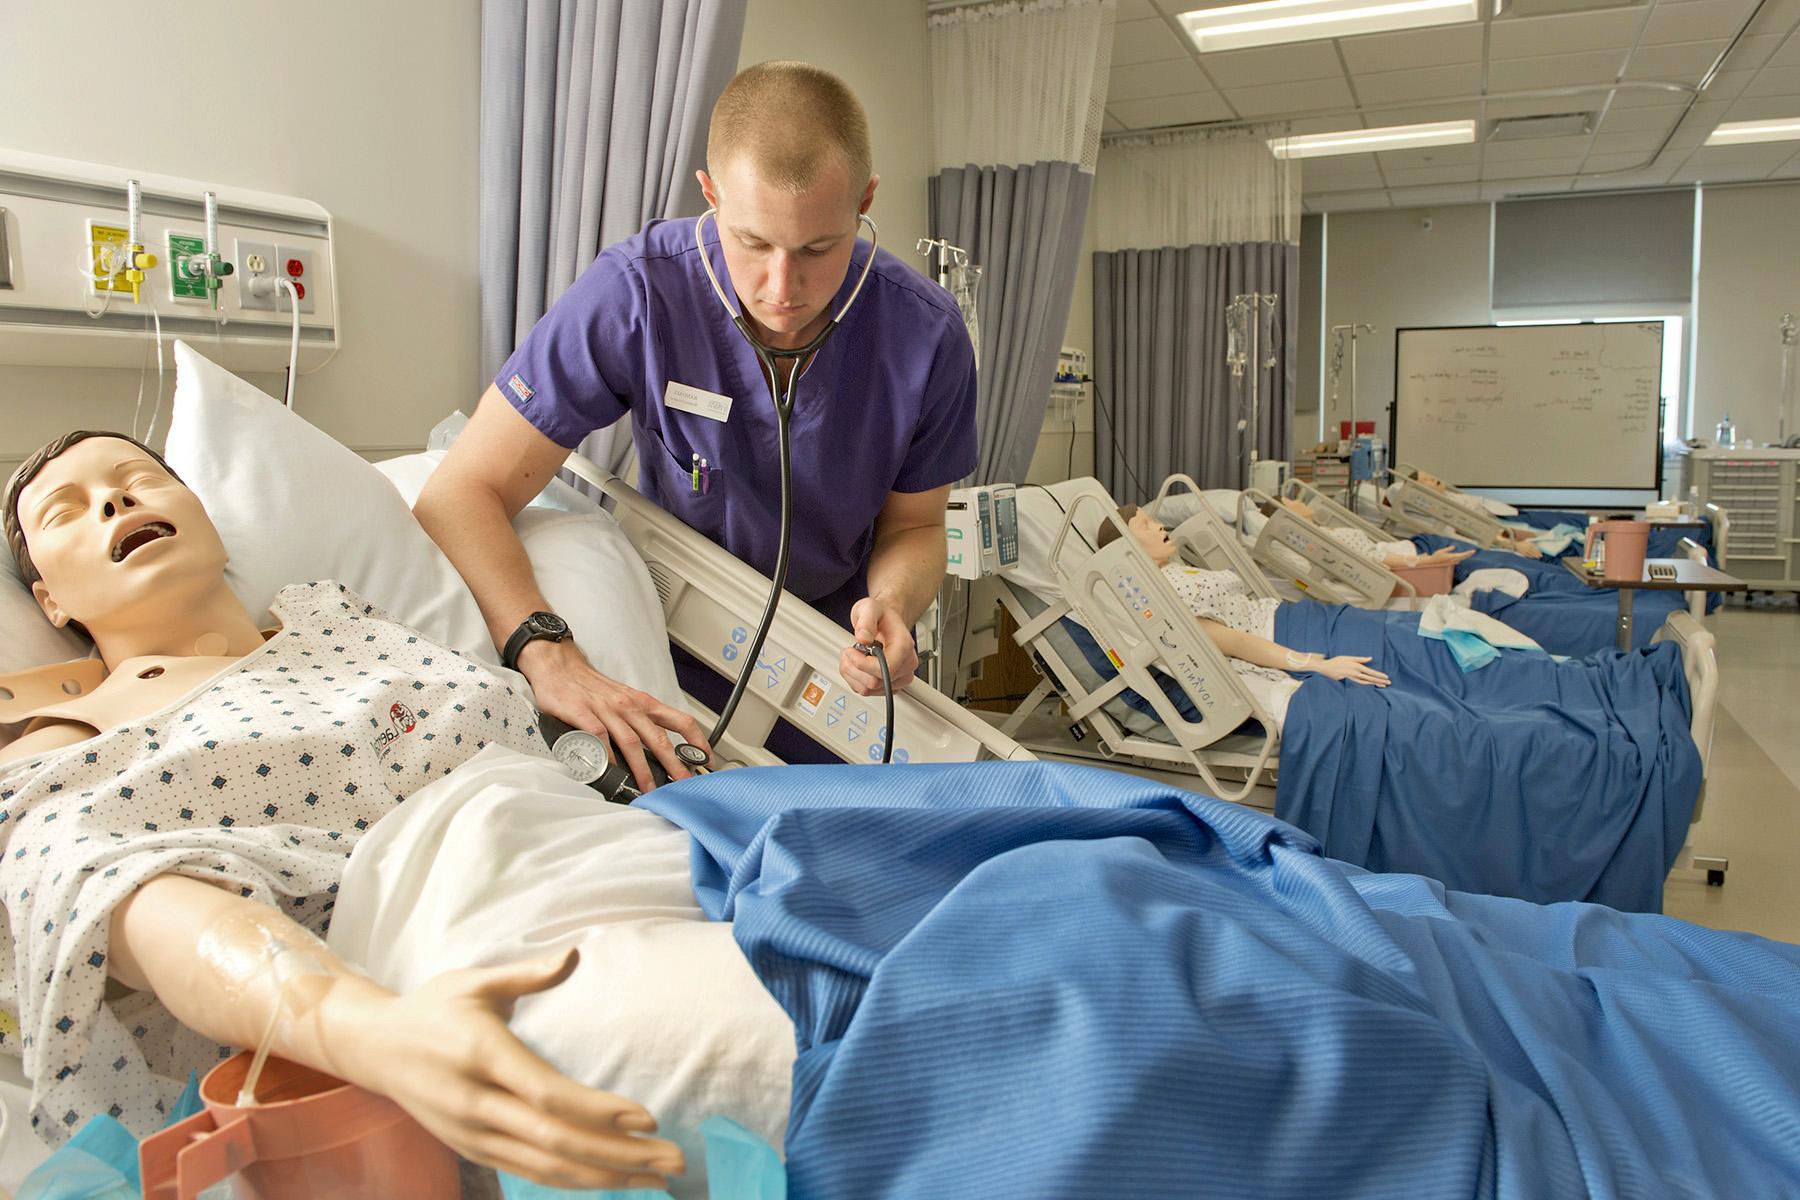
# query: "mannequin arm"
442,1052
1261,652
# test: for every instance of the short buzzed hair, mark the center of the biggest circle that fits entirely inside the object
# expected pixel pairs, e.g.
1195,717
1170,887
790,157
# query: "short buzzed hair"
1109,533
789,117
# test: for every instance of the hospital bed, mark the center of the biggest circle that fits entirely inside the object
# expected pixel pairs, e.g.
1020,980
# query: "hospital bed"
1119,600
1289,546
1416,508
710,600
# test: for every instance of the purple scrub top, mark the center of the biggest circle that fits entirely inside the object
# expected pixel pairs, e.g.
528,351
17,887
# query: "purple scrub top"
888,404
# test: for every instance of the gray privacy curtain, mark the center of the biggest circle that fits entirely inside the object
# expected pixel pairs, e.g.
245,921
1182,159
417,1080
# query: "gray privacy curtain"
1023,225
593,121
1165,399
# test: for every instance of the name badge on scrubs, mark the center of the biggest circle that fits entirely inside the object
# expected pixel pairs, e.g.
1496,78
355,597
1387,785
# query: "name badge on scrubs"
686,398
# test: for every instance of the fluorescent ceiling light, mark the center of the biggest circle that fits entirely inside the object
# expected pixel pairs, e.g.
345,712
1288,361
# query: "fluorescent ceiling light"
1271,22
1736,133
1364,141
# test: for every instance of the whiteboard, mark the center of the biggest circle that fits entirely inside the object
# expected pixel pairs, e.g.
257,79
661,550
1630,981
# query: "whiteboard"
1531,406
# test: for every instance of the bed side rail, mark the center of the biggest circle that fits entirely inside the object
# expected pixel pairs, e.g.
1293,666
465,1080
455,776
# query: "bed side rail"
1143,626
1294,548
1204,540
709,596
1425,510
1328,513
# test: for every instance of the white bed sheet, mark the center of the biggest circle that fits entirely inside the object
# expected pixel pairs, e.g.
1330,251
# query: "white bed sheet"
507,858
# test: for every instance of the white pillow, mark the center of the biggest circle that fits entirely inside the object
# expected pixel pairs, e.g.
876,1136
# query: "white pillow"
590,576
293,506
409,472
593,578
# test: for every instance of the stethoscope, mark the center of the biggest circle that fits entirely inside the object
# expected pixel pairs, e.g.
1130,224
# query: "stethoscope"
771,358
583,754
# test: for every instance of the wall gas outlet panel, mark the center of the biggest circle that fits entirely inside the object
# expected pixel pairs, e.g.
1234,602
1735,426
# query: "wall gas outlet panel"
59,213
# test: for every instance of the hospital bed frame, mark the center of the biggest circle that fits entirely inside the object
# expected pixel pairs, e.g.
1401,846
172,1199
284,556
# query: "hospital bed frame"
1700,665
1205,540
710,600
1419,509
1320,565
1122,599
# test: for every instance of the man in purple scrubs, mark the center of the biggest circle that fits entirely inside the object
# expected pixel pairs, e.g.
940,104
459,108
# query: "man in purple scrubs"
883,421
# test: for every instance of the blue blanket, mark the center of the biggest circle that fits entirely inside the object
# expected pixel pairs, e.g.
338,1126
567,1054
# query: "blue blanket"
1530,778
1031,980
1560,613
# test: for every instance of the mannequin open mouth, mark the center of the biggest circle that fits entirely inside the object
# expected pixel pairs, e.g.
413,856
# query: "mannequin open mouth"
140,537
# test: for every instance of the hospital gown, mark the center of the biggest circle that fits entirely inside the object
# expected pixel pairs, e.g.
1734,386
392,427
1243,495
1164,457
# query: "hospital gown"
262,781
1222,596
1364,546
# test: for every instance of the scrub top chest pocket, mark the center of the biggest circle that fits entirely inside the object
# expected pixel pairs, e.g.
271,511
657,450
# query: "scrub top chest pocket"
691,470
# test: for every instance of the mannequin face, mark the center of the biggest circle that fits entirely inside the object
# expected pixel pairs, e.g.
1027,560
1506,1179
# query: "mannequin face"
1153,536
115,536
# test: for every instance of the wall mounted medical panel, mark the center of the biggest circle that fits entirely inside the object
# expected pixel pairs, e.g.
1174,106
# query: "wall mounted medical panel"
52,210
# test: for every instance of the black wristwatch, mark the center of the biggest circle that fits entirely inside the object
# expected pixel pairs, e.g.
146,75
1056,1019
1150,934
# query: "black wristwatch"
538,627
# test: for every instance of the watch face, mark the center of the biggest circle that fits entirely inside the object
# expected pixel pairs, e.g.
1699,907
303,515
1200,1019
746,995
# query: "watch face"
549,623
582,755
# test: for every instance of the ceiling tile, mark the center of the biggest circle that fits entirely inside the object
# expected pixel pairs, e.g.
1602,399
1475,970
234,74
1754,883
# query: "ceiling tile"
1381,114
1539,106
1752,52
1431,156
1338,164
1189,109
1533,148
1309,95
1359,182
1428,197
1642,96
1145,41
1531,167
1141,81
1275,64
1787,56
1685,62
1613,162
1324,124
1697,22
1414,48
1639,144
1110,125
1612,183
1422,84
1728,84
1719,172
1555,70
1532,37
1764,108
1400,177
1352,202
1135,10
1767,153
1657,119
1775,81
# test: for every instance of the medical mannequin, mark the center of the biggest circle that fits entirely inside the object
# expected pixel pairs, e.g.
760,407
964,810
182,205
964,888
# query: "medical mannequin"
1235,638
117,547
1518,540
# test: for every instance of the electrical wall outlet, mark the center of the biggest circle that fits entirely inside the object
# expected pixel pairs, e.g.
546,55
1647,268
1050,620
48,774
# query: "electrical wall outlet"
299,265
255,260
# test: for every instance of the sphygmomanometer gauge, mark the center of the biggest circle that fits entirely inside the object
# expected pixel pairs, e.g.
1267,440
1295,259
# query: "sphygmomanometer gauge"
582,755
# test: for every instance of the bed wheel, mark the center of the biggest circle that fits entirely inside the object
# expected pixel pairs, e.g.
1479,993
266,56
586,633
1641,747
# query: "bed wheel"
1715,879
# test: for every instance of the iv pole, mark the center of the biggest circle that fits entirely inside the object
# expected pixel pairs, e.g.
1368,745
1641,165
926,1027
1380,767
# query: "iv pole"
1788,329
1244,320
1337,372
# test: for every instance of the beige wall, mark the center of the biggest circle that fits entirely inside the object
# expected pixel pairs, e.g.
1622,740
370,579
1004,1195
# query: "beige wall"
878,47
367,109
1749,277
1385,269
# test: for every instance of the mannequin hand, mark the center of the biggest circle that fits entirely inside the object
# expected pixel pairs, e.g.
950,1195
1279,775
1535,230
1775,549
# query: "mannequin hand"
1527,547
445,1055
567,686
1442,557
872,620
1351,668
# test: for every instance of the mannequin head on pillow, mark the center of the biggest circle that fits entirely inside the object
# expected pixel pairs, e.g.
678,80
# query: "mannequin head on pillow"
115,546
